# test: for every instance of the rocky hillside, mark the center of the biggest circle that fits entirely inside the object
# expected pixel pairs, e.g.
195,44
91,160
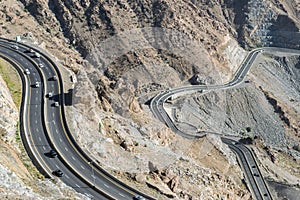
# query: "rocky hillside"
121,63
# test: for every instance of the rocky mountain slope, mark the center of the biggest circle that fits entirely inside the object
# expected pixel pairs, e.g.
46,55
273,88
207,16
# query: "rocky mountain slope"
118,75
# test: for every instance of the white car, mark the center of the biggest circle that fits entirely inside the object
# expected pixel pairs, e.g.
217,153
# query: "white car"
27,71
37,55
37,84
54,78
50,94
41,65
15,47
56,104
139,197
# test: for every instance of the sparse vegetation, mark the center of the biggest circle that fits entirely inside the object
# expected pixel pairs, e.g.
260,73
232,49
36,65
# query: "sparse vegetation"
25,158
11,78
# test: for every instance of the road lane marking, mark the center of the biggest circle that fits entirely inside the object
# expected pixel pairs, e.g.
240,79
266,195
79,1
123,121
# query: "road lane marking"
121,195
67,176
73,158
44,148
77,185
56,131
40,139
106,185
66,149
60,139
82,167
56,166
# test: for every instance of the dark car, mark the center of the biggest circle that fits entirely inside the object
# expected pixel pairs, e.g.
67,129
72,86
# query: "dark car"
58,173
53,153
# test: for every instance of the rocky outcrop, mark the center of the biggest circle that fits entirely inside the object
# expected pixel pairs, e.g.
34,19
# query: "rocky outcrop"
110,117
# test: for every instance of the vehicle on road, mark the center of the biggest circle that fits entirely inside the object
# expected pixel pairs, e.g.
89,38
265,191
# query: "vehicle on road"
41,65
15,47
27,71
56,104
50,94
53,153
58,173
139,197
36,54
37,84
54,78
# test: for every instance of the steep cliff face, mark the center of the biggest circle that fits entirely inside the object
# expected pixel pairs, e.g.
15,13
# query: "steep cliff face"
121,63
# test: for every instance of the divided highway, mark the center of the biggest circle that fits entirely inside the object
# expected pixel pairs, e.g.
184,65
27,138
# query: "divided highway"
43,127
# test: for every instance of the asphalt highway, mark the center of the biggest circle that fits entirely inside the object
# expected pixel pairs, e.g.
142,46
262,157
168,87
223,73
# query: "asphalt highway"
44,127
255,181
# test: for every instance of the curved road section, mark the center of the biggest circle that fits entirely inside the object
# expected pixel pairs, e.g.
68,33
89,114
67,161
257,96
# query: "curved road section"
255,181
44,128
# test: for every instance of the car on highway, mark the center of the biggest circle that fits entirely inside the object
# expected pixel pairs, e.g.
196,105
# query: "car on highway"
36,54
54,78
50,94
37,84
58,173
53,153
15,47
139,197
41,65
56,104
27,71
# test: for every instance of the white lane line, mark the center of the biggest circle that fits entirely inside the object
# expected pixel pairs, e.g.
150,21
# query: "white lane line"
37,129
53,114
56,166
36,91
93,176
40,139
77,185
44,148
67,176
56,131
82,167
66,149
73,158
35,114
36,121
106,185
121,195
60,139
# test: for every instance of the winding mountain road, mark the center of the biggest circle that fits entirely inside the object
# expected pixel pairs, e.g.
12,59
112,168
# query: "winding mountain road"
44,127
255,181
